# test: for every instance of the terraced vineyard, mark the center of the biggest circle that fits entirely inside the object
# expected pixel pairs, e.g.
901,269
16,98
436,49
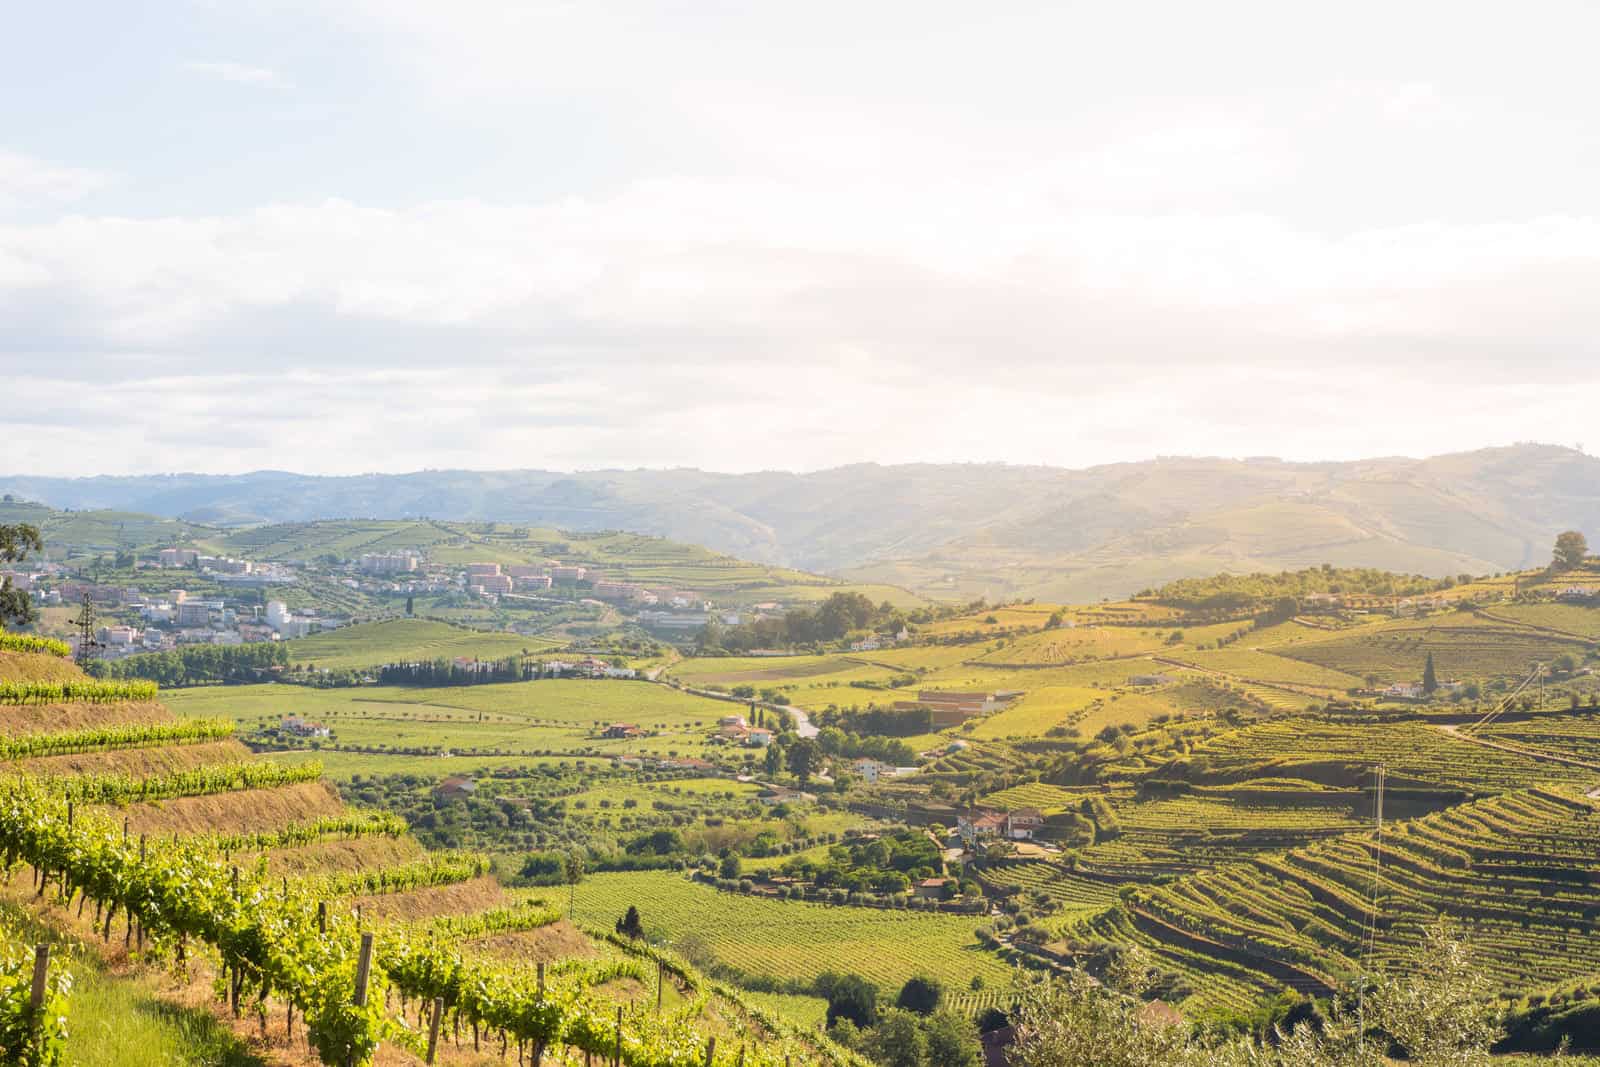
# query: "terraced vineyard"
1342,755
1519,871
153,850
1575,734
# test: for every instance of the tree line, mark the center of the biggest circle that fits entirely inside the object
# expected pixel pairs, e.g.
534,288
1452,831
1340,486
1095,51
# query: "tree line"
197,664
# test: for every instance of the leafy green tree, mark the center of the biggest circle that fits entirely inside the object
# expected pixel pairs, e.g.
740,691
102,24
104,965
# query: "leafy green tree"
731,865
897,1041
16,541
849,996
952,1040
803,757
1430,677
1571,551
921,994
773,760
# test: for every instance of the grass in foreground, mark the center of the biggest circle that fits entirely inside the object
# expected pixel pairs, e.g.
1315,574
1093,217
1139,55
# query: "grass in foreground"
116,1021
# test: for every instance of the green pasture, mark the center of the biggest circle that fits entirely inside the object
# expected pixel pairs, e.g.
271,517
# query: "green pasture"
407,641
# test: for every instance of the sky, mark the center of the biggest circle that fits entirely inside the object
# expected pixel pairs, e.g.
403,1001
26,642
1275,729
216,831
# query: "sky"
384,235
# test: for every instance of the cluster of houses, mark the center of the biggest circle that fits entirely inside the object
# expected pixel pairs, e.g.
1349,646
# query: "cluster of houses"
733,729
1416,691
876,641
588,667
1021,824
1361,602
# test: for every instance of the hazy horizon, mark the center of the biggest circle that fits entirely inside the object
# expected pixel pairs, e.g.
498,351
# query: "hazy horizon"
799,472
732,472
363,236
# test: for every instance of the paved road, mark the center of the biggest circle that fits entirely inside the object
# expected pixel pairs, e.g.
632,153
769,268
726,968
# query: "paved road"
802,722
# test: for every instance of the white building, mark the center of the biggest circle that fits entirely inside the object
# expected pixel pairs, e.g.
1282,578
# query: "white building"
277,614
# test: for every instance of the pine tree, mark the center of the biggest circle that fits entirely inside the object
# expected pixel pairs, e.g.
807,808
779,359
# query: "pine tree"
630,924
1430,679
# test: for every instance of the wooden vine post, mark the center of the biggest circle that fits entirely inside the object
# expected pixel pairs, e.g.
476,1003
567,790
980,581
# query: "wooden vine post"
363,975
433,1028
41,969
363,970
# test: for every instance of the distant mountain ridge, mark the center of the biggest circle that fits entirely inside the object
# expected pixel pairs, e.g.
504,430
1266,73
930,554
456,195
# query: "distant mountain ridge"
970,529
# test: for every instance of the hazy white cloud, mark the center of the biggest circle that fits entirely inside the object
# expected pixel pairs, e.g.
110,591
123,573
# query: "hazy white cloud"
240,74
24,179
793,238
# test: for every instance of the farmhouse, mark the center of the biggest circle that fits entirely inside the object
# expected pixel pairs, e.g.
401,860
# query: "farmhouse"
1024,823
979,825
455,788
951,708
758,737
621,730
780,794
870,770
294,724
930,889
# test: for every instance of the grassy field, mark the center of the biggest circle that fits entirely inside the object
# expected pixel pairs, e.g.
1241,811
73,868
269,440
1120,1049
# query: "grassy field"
406,641
793,940
554,717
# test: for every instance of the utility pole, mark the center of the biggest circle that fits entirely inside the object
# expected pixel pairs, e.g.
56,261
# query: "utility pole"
88,647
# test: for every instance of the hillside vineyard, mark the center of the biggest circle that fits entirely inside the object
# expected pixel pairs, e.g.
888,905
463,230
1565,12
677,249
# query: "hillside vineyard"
816,828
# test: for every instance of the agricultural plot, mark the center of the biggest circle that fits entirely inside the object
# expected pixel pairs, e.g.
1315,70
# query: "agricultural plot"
554,717
407,641
1465,649
806,680
792,939
1049,799
1572,618
1066,645
1035,714
1250,665
1343,755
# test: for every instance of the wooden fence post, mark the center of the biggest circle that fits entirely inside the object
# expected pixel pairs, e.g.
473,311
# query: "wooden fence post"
616,1059
433,1028
661,981
322,917
711,1050
41,968
541,980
